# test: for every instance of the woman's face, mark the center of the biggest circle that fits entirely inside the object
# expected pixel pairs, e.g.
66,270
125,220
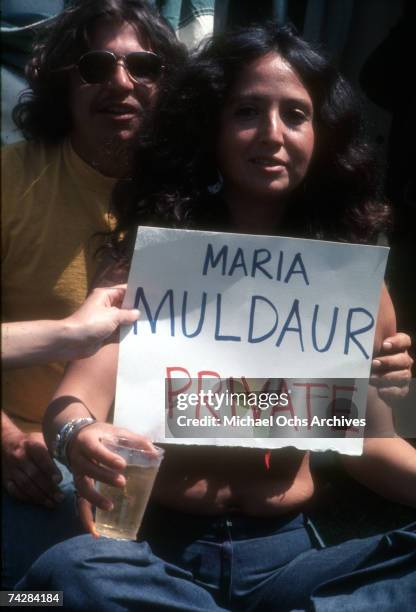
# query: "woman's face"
266,132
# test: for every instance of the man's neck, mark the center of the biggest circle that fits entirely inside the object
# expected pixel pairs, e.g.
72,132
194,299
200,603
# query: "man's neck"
110,159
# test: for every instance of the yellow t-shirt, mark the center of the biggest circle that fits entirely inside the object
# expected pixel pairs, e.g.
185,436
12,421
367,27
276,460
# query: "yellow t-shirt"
52,204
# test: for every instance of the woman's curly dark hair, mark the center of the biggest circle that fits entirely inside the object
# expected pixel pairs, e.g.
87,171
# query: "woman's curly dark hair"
176,157
43,110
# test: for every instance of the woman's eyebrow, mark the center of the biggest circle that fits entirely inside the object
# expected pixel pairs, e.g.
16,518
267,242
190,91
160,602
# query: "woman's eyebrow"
301,102
246,97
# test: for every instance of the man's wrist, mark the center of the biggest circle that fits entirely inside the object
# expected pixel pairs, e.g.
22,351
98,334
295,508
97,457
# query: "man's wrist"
74,338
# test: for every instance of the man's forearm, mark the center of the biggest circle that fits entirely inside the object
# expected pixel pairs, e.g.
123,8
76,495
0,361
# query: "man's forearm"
32,342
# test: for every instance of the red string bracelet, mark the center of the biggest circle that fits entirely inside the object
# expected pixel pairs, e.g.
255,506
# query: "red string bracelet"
267,456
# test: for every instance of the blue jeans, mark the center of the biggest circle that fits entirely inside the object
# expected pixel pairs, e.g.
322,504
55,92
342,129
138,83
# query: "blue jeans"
194,564
28,529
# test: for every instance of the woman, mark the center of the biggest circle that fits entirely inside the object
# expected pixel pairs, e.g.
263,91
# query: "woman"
259,134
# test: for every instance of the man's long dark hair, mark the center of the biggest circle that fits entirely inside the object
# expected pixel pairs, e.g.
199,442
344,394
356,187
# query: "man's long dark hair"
176,159
43,111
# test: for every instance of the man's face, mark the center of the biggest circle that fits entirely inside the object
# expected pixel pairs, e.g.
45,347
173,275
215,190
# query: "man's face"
107,115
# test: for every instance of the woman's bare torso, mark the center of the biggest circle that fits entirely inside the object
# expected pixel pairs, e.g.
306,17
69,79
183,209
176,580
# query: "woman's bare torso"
204,480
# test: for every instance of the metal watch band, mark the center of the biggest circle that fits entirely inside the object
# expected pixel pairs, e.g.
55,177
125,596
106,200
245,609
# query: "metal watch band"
64,436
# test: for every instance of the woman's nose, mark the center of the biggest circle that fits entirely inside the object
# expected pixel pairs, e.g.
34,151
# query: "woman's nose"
273,128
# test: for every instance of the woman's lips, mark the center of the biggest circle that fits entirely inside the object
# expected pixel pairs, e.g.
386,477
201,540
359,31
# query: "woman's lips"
268,163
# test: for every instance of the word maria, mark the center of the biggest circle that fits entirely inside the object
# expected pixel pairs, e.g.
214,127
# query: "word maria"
313,326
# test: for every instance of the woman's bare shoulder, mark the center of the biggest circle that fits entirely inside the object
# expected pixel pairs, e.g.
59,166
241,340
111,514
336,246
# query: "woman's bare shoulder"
386,320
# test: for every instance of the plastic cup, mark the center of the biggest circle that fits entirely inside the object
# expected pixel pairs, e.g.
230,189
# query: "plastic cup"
129,502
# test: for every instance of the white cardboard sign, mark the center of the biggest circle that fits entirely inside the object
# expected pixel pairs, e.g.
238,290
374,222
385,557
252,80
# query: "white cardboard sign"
240,308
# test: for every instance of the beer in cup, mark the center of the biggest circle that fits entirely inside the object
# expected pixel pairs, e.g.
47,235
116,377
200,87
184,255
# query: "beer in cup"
129,502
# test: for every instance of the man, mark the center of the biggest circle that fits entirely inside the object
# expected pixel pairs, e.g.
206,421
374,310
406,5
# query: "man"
80,121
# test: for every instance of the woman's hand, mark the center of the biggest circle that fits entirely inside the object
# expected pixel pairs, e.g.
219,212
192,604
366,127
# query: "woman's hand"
391,369
90,460
86,516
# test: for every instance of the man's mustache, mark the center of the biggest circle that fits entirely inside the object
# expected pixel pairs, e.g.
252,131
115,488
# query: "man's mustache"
127,105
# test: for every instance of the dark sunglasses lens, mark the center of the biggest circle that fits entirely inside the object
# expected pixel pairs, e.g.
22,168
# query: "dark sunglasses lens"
146,66
96,66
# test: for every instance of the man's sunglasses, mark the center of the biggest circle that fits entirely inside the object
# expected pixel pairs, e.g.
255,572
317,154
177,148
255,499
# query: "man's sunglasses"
97,67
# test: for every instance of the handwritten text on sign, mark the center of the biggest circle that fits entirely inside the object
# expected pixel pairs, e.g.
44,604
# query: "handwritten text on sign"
244,306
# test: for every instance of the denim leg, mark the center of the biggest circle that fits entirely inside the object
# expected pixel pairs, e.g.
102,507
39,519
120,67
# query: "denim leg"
385,582
376,573
230,563
114,576
28,529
